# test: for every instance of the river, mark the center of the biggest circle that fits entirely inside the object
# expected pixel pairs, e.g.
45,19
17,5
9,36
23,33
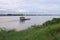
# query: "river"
13,22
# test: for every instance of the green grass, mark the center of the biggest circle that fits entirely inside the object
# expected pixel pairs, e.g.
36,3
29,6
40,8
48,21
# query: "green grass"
46,31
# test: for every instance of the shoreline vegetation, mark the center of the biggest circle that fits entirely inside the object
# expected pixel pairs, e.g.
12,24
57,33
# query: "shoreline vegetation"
29,14
50,30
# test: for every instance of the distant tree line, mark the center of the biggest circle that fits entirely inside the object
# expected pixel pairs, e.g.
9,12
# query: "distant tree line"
11,14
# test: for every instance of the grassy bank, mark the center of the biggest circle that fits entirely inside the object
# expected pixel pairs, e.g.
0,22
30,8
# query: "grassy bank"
50,30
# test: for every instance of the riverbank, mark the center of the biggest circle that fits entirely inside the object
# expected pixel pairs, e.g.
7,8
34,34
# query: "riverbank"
49,30
29,14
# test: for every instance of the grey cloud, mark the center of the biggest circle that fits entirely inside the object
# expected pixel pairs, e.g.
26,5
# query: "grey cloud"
31,5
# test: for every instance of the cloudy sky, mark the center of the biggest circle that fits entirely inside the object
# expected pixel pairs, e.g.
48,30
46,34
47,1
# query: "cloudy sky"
43,6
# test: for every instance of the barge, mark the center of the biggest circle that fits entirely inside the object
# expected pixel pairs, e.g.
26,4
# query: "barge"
23,18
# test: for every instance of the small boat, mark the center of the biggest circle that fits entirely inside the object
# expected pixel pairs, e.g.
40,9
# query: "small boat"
23,18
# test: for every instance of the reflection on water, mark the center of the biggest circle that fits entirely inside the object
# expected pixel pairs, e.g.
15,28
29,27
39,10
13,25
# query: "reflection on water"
11,22
22,22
